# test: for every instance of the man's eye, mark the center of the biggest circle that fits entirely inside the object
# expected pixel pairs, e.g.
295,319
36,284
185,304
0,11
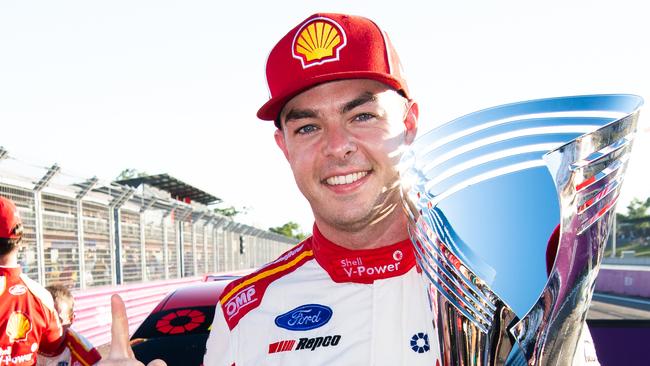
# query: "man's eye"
364,117
306,129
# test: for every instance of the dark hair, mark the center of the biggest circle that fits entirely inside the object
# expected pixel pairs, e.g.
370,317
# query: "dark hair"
7,245
278,122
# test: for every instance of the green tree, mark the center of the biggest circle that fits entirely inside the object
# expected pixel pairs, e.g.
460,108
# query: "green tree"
633,228
638,208
130,173
290,229
230,211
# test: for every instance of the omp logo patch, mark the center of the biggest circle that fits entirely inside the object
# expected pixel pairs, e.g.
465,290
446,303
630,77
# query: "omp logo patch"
244,298
243,295
305,317
304,344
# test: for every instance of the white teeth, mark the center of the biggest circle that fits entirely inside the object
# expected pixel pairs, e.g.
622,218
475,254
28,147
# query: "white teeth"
346,179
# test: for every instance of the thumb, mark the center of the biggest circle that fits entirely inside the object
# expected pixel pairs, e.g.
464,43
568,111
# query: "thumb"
119,330
157,363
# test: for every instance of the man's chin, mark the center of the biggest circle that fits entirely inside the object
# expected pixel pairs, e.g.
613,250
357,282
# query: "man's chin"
346,220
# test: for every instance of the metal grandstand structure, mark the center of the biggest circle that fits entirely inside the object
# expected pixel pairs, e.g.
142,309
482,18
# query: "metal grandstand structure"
85,232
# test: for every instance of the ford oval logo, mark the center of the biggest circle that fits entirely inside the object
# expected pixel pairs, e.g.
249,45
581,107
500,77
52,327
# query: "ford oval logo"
305,317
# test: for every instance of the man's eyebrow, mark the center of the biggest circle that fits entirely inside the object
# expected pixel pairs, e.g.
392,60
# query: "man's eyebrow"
360,100
294,114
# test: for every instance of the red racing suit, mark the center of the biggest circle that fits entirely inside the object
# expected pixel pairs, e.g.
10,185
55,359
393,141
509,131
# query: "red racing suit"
322,304
75,351
29,322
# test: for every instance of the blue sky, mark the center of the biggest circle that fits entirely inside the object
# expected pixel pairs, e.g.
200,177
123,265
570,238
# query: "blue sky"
173,86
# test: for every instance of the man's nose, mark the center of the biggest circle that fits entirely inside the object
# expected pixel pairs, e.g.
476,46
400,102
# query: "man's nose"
339,143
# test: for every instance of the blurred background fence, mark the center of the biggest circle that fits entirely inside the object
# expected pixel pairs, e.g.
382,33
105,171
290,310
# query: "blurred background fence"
84,232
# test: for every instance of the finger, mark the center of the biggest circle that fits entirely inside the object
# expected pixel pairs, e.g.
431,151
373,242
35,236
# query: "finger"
157,363
119,330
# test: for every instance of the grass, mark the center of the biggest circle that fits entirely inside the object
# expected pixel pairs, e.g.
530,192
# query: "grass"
640,246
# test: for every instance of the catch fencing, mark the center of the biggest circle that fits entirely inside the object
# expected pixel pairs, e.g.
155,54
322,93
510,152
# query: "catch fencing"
85,233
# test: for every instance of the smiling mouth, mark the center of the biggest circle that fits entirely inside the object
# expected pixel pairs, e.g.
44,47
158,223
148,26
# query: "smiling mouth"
345,179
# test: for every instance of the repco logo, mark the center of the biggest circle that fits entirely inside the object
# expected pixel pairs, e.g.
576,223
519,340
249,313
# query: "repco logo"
244,298
304,343
313,343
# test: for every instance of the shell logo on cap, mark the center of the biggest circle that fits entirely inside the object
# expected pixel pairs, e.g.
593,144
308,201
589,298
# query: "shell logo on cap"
18,327
318,41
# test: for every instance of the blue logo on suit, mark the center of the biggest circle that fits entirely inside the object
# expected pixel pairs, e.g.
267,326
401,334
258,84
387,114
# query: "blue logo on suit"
305,317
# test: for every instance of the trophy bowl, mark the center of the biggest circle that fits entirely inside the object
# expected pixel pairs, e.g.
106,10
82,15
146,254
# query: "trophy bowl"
509,212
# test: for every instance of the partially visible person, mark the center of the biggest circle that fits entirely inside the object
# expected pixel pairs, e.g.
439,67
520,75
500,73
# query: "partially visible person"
75,350
28,321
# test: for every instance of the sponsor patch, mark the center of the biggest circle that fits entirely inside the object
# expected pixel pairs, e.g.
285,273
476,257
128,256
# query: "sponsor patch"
289,254
282,346
6,358
305,317
355,267
318,41
420,343
18,326
18,359
244,298
17,290
398,255
304,344
245,294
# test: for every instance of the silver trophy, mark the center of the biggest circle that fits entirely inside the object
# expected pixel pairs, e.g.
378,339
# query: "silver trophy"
509,211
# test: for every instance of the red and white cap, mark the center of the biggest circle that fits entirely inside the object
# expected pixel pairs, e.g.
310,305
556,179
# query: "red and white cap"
327,47
9,218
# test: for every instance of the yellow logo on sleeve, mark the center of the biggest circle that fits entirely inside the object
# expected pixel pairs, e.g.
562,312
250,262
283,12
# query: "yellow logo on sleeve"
18,327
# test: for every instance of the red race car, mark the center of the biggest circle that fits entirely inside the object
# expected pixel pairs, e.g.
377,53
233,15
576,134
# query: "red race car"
177,329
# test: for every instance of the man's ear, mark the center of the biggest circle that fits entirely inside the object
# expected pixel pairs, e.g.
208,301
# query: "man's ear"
279,140
411,122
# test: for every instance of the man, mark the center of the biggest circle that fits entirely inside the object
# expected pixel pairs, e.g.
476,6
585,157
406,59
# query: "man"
351,294
28,322
75,350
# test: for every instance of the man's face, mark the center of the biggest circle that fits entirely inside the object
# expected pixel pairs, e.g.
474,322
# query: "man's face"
64,309
343,140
